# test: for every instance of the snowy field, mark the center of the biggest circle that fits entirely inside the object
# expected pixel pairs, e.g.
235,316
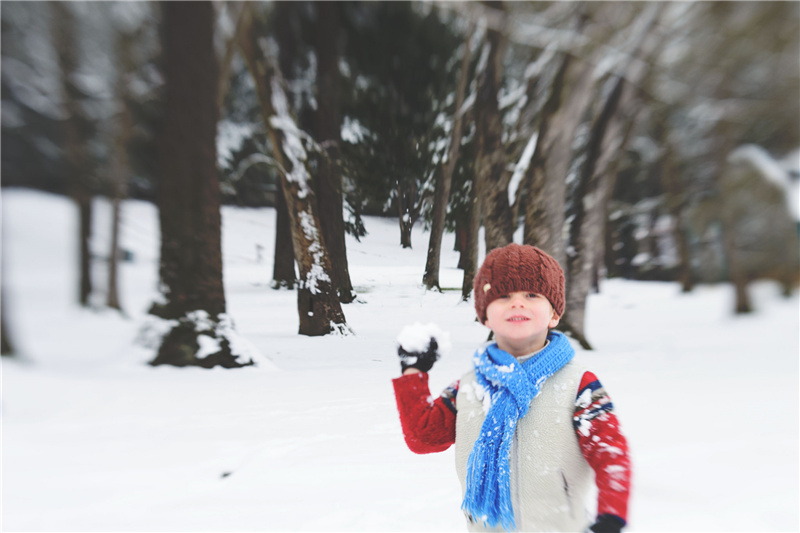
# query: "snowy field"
93,439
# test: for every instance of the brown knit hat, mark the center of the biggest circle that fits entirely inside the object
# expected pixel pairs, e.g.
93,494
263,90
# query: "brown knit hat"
515,268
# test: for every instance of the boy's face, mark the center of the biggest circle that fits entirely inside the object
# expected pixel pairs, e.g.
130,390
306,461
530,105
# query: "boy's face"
520,322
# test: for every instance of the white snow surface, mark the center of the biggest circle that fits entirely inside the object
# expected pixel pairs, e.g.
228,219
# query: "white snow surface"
94,439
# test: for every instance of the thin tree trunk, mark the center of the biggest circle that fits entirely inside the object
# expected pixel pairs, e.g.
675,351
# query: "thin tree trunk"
318,306
490,165
405,199
75,127
442,193
6,346
469,254
283,275
120,166
328,129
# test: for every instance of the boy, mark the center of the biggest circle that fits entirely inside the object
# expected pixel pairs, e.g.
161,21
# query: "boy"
529,423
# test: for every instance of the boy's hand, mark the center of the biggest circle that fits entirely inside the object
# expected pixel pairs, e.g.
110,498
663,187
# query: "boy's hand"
422,361
607,523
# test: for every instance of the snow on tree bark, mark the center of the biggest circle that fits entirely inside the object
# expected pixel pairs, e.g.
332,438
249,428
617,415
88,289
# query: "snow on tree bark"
442,194
201,334
318,306
491,176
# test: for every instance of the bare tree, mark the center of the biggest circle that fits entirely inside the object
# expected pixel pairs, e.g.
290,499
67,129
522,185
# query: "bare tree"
442,193
318,306
76,134
608,133
491,176
189,195
120,166
327,121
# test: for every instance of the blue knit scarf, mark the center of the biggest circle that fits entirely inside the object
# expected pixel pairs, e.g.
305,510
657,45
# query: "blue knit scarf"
511,387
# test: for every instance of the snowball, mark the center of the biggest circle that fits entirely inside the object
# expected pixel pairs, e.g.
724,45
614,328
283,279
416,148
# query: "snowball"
416,338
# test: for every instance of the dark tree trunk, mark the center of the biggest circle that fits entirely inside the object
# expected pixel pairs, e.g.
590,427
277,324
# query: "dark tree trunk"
491,175
188,192
75,139
84,200
318,306
469,254
6,347
405,211
283,275
328,129
442,193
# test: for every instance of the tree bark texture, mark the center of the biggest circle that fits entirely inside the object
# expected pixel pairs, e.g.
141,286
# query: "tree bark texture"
75,138
318,306
188,193
330,195
442,193
491,174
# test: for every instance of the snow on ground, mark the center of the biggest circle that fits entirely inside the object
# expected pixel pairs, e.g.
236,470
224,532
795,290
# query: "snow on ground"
95,440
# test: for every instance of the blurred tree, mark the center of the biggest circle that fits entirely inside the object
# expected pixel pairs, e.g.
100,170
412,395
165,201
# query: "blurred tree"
399,59
491,177
189,196
77,130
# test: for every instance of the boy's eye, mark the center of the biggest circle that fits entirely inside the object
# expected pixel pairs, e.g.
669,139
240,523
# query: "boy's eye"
503,296
532,295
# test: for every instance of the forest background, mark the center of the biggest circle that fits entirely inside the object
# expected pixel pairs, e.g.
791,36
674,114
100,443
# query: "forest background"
648,141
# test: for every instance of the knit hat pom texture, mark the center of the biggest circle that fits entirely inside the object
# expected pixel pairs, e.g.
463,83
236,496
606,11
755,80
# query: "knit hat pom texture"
515,268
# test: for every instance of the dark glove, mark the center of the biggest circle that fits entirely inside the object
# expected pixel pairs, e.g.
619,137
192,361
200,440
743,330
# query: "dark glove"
608,523
422,361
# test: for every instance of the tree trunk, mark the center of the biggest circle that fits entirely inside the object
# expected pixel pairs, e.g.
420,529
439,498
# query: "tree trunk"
570,95
405,208
283,275
491,175
189,194
328,131
442,193
75,139
469,253
120,166
318,306
6,347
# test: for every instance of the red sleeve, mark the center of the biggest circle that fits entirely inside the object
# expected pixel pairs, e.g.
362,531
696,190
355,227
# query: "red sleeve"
604,446
429,425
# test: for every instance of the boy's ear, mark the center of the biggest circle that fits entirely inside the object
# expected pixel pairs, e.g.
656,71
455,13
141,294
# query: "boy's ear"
554,321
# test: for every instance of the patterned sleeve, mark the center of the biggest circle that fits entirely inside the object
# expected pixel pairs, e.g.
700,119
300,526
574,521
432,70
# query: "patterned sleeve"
429,424
604,446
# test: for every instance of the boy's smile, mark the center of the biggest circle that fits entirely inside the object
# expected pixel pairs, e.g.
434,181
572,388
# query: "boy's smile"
520,322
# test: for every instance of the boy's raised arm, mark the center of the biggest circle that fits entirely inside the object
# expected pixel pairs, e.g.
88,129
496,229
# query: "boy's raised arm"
429,425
